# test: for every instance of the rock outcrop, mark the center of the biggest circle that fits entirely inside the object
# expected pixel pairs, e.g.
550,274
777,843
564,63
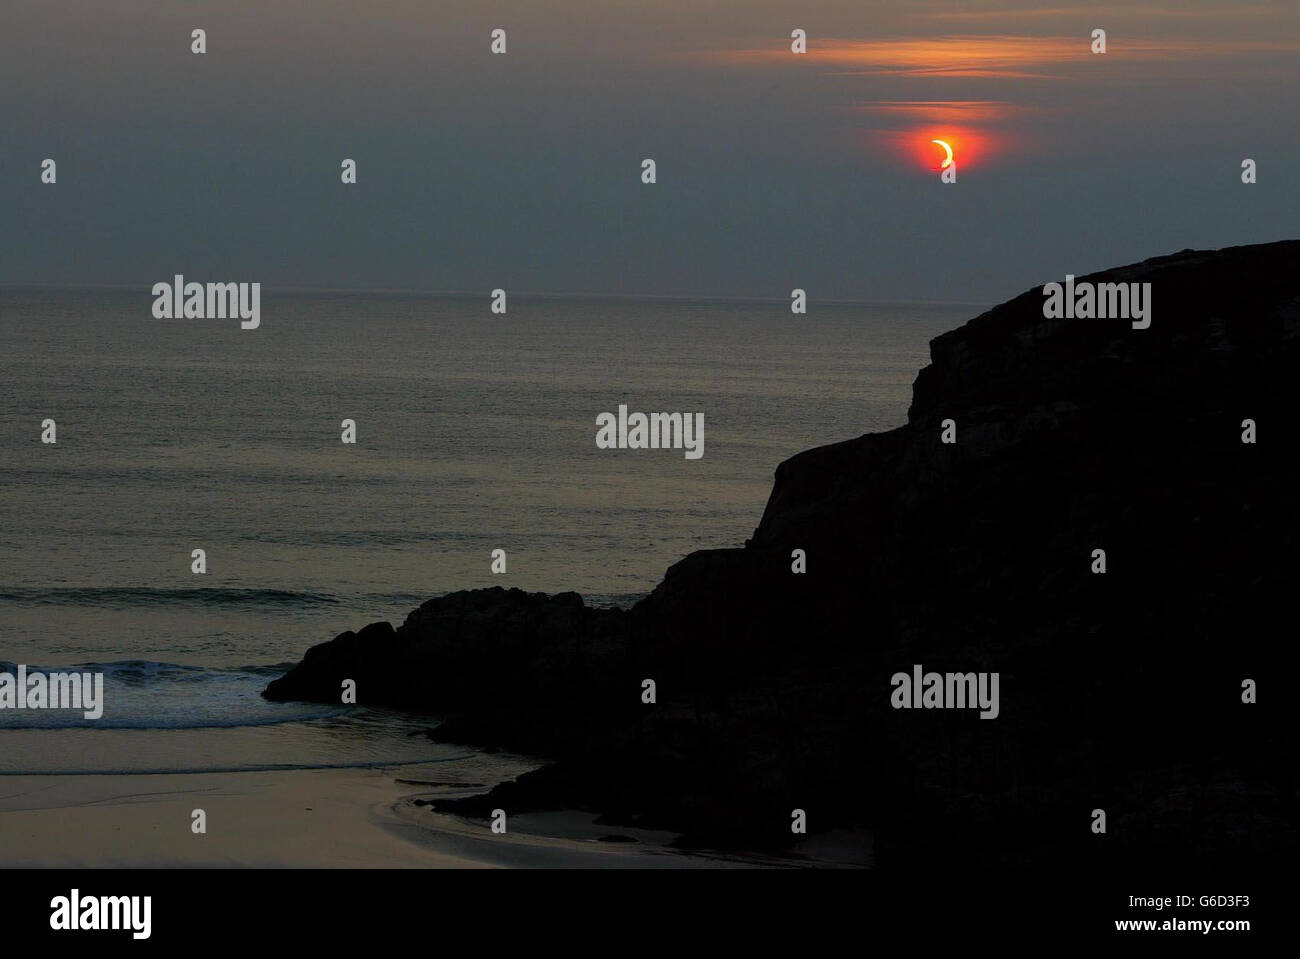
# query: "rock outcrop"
1119,691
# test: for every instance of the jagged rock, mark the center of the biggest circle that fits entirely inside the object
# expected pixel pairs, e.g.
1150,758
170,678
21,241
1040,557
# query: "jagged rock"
1119,691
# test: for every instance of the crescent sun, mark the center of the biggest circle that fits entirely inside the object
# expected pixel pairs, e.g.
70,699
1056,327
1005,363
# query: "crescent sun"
948,149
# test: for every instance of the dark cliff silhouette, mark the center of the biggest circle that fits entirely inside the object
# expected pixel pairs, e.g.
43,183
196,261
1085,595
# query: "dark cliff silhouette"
1119,691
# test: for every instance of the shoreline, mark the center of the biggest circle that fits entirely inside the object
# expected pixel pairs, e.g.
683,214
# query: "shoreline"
320,818
573,838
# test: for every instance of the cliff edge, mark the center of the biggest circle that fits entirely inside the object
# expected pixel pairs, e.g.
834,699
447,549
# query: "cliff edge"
1120,690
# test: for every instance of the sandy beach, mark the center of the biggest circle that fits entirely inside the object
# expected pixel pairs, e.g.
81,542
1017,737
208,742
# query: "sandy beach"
350,818
304,818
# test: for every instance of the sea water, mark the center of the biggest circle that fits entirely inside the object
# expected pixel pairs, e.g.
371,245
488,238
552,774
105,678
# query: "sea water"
475,432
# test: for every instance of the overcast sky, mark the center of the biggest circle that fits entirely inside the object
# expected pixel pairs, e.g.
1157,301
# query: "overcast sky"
523,171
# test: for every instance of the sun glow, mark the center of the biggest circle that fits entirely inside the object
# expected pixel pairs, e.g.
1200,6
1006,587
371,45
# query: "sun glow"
925,134
934,149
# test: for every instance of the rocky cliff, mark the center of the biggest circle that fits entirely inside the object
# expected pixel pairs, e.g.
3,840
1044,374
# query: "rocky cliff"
1120,690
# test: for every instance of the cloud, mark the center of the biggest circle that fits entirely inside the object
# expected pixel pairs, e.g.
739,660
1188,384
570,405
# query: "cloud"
910,112
1162,15
988,56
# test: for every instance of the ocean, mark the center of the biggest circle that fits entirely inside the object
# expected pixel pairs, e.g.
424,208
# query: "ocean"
475,432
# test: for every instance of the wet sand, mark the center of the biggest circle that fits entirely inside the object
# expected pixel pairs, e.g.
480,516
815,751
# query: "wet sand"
334,818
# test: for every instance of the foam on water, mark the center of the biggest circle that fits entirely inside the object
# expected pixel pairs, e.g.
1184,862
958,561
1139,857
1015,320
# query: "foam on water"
145,695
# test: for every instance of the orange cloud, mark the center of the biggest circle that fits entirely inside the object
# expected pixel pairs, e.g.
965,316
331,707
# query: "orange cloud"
983,131
998,57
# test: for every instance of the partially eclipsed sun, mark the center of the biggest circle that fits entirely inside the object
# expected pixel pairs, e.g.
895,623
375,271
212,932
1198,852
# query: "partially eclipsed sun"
936,148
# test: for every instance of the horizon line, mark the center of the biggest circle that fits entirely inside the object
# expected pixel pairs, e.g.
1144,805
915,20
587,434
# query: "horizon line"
543,294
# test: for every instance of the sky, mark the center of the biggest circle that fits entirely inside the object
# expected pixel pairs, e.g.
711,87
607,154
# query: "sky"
522,171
